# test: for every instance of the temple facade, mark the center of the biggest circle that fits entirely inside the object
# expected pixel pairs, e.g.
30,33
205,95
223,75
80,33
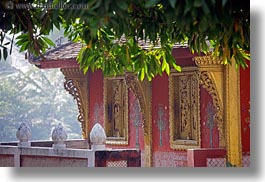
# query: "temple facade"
206,107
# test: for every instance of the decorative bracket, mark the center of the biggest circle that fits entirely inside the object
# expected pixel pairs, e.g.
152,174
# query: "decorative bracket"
76,83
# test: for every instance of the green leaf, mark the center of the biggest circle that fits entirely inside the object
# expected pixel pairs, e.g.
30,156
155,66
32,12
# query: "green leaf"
188,6
172,3
142,74
168,69
164,64
57,24
122,5
151,3
224,2
24,46
48,41
178,68
197,3
85,69
205,7
21,39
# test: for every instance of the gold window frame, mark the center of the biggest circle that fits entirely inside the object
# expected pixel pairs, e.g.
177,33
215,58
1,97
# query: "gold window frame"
175,111
111,140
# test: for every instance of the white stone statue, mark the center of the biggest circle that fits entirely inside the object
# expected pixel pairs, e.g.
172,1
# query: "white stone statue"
59,135
23,135
98,137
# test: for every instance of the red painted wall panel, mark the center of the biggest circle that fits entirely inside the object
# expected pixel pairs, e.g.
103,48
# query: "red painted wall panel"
245,108
96,97
207,101
132,121
160,98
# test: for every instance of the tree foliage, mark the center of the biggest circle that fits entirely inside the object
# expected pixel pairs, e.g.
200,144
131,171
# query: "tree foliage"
132,35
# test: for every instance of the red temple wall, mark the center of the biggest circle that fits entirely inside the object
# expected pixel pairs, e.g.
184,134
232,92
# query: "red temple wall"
95,98
160,98
245,109
96,102
163,155
206,102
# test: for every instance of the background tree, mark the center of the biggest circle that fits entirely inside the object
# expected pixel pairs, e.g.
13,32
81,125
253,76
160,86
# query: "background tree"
38,98
132,35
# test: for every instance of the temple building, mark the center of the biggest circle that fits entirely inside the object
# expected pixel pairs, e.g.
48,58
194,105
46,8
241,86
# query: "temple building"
204,108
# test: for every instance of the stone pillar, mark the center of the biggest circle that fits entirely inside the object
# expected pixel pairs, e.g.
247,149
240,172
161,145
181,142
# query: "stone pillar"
59,136
23,135
98,137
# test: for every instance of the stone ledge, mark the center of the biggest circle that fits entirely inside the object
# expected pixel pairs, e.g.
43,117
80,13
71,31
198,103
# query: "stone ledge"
45,151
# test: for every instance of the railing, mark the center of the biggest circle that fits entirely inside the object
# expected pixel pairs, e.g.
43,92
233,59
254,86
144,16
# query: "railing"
65,153
13,156
74,143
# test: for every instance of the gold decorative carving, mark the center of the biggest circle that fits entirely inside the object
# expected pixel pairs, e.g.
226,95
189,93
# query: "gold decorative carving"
208,83
116,110
76,83
142,91
184,110
225,87
207,60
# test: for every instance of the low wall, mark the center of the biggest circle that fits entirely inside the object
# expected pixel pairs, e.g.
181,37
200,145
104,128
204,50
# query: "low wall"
13,156
76,144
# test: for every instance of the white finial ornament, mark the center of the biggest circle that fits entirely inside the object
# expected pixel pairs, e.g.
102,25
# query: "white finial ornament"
98,137
59,135
23,135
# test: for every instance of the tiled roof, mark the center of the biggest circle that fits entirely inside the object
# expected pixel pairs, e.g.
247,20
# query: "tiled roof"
65,55
70,50
66,51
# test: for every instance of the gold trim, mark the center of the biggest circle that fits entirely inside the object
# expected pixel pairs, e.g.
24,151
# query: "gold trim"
116,140
181,144
233,115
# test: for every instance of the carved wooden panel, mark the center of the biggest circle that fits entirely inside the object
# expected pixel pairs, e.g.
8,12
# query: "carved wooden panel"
76,83
184,110
116,110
